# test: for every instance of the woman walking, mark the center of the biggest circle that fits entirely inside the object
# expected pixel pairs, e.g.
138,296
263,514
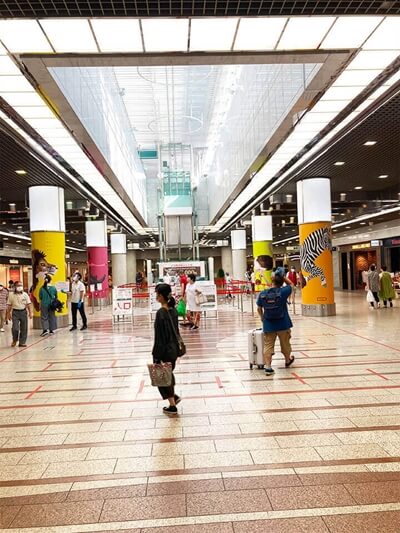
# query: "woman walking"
374,285
193,308
387,292
166,347
47,294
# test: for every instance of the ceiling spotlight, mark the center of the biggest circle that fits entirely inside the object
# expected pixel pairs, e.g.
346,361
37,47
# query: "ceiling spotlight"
12,208
20,172
358,188
343,196
289,198
363,223
369,143
383,176
339,163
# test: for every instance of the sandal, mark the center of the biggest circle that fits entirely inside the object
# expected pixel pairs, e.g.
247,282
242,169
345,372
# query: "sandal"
289,363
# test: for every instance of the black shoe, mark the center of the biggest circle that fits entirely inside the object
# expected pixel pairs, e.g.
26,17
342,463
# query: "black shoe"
391,304
44,333
290,362
83,327
51,332
73,328
269,371
171,410
178,399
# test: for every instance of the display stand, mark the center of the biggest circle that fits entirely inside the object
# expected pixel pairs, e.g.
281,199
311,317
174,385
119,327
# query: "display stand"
122,310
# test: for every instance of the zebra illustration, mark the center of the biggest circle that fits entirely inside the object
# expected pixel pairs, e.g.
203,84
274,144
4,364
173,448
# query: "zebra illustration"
311,249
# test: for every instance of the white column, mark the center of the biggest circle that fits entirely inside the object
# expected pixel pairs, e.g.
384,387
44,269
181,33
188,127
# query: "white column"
226,259
149,272
211,274
118,259
131,266
239,262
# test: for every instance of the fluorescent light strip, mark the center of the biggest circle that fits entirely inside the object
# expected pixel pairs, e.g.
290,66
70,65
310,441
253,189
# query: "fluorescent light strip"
15,236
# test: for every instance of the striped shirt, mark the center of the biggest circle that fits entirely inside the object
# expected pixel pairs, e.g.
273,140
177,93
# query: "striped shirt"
3,298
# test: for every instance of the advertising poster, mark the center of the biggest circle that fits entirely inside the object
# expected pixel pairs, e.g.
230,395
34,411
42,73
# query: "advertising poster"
208,297
98,270
122,302
181,267
48,257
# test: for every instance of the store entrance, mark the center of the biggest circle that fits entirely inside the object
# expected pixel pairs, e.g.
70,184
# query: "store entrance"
345,278
395,259
362,261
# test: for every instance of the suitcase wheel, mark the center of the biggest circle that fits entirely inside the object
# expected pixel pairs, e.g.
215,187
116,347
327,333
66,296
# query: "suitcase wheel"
251,366
260,367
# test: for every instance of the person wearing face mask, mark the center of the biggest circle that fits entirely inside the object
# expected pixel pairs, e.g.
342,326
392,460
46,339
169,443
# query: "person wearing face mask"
3,306
47,294
19,308
77,301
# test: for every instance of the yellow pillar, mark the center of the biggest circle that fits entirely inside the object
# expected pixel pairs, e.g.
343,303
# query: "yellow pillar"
262,251
47,224
315,229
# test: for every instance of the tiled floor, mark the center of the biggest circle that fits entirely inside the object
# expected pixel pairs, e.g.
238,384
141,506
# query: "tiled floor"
84,445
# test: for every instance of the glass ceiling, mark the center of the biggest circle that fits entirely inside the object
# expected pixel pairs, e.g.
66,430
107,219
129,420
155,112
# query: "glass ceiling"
224,114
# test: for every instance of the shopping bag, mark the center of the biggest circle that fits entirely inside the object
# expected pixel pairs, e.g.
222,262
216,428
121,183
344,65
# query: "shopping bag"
160,374
181,308
370,297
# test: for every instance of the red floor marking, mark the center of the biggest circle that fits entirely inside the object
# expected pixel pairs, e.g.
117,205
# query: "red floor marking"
377,374
356,335
22,350
219,382
33,392
304,353
46,367
114,363
298,378
141,386
242,357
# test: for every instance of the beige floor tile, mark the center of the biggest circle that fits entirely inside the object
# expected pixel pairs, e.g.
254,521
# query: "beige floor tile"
20,472
209,431
99,436
55,456
244,443
356,451
150,464
182,448
118,451
286,455
218,459
80,468
37,440
301,441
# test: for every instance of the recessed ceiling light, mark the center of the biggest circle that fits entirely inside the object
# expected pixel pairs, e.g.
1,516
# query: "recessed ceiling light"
20,172
369,143
383,176
363,223
339,163
18,241
348,227
358,188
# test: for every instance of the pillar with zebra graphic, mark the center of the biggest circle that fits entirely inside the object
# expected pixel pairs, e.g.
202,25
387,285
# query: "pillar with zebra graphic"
262,251
315,230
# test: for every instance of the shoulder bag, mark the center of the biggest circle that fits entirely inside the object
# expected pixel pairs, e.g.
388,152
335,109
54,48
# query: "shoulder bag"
55,303
181,344
160,374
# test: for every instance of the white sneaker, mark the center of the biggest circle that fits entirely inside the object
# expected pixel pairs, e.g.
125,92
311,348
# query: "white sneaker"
2,330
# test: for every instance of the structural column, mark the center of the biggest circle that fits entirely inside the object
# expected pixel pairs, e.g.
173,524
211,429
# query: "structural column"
96,242
314,214
262,251
211,274
131,266
226,259
118,259
239,262
47,225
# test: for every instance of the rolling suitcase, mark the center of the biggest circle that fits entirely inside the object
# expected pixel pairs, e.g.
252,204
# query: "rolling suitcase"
256,348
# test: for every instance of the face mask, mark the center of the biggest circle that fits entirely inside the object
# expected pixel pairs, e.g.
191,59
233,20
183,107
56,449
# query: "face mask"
19,289
1,287
75,278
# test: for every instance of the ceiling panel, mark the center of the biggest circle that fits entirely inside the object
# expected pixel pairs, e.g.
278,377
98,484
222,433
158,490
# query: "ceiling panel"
165,8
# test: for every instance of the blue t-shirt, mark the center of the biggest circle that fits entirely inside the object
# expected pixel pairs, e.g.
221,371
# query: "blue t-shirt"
283,323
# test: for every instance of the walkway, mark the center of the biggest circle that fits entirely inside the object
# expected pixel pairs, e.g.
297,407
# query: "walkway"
315,448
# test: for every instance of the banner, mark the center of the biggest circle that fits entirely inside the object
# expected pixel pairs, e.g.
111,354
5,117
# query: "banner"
316,263
48,257
263,263
177,269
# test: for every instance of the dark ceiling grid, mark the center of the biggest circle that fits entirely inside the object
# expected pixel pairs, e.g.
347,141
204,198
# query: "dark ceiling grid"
176,8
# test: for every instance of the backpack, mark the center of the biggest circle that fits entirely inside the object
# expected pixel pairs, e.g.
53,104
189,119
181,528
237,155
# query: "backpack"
273,304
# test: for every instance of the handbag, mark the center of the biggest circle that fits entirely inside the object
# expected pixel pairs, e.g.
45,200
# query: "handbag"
55,304
181,344
200,298
160,374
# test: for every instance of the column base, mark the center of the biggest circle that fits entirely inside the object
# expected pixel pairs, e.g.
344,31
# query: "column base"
62,322
318,309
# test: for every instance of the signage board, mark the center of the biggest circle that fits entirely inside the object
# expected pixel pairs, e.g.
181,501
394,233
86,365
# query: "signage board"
122,302
181,267
207,296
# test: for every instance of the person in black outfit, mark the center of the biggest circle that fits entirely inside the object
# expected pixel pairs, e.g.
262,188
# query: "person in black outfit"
166,349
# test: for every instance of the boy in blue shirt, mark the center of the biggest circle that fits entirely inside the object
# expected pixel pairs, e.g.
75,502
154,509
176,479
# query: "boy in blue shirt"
273,310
